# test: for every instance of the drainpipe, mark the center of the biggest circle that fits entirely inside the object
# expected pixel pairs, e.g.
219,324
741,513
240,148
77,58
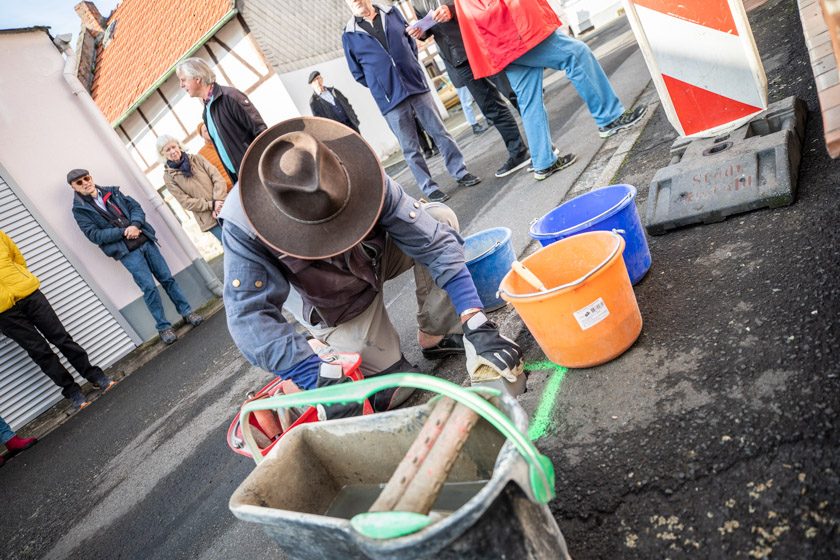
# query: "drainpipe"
119,149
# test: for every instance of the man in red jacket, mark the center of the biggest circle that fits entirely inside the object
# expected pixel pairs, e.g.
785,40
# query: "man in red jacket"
522,37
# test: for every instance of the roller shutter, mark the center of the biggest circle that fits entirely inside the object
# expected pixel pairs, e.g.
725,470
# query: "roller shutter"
25,392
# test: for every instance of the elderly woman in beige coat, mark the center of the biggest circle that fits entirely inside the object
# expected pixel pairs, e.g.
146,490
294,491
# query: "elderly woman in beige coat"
194,182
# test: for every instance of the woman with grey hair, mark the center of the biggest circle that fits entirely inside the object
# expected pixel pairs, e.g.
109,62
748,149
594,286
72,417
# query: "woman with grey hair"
232,120
194,182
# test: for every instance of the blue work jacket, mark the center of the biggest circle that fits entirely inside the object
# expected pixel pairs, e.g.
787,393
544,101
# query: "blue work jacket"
391,74
256,288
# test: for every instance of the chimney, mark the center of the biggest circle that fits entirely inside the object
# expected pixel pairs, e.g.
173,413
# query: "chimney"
92,20
92,31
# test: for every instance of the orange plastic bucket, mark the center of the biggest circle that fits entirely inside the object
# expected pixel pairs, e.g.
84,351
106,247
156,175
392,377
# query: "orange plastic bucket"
588,314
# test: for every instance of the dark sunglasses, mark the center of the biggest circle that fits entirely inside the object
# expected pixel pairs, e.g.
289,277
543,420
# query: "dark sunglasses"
78,182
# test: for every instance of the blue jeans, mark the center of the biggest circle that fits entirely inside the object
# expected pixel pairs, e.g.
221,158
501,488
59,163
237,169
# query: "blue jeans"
145,264
466,99
560,52
216,231
401,121
6,432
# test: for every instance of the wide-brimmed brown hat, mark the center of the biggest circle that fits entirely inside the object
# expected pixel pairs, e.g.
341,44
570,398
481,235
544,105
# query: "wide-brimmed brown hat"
312,188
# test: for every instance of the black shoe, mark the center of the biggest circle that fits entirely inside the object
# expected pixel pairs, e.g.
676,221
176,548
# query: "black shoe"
468,180
554,150
514,164
560,163
104,383
449,345
437,195
478,128
626,120
78,400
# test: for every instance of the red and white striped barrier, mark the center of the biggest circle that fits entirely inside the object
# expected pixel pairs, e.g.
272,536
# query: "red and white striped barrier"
703,60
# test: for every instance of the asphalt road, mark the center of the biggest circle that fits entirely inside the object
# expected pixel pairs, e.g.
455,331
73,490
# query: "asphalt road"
716,435
713,437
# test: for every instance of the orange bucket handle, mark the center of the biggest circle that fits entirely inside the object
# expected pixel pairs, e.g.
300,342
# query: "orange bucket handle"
619,241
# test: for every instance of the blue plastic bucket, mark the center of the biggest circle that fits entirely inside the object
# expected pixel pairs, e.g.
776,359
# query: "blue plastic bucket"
605,209
489,254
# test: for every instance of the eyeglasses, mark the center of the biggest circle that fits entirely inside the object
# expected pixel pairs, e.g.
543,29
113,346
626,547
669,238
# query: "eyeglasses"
81,180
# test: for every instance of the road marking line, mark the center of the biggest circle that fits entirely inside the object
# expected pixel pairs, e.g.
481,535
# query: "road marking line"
542,419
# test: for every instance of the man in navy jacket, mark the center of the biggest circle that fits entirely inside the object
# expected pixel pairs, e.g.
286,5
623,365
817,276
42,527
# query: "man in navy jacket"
117,224
383,58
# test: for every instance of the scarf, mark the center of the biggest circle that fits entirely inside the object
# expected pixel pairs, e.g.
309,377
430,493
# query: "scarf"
183,165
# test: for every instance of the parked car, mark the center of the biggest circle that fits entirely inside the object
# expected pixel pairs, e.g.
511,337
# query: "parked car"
446,91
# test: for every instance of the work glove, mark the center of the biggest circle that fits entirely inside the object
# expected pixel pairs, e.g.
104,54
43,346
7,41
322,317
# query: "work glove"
489,354
333,374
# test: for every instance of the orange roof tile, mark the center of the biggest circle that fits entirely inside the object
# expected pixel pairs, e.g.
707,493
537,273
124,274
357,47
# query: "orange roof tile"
149,37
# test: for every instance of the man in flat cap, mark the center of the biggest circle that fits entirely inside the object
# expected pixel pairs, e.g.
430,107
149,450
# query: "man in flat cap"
117,224
330,103
314,211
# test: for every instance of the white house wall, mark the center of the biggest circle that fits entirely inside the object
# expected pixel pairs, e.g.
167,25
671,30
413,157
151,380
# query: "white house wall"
46,132
337,74
584,15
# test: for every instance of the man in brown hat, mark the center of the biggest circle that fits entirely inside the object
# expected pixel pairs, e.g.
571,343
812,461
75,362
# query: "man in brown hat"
314,211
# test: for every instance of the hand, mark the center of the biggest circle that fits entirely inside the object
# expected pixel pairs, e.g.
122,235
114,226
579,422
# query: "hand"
442,14
217,206
485,346
131,232
414,32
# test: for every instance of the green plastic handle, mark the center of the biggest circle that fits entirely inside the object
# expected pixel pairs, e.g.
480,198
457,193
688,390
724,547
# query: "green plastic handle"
541,470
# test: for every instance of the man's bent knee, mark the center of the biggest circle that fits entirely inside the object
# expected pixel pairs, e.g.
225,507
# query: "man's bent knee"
442,213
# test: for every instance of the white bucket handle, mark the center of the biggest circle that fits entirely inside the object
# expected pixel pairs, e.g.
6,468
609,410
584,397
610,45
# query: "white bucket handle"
596,219
593,220
488,250
577,282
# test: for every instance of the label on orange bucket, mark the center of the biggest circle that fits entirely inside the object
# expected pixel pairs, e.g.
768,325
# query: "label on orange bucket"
592,314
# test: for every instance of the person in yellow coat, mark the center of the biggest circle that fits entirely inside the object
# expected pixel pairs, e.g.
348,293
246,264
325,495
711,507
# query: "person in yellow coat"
28,318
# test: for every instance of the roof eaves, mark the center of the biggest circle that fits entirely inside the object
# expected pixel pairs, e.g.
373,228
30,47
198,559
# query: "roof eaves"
165,76
44,28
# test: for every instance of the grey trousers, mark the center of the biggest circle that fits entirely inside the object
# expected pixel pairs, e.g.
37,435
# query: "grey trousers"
401,121
372,334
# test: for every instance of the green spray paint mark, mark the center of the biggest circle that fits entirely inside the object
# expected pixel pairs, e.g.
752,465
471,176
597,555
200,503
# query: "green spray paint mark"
542,419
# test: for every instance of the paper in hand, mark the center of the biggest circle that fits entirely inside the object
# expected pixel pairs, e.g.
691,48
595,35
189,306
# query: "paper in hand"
424,24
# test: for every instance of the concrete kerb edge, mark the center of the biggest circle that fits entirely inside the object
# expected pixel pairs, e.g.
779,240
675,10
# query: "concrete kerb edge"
611,169
125,366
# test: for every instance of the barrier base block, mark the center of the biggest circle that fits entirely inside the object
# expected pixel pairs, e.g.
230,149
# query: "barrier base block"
753,167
